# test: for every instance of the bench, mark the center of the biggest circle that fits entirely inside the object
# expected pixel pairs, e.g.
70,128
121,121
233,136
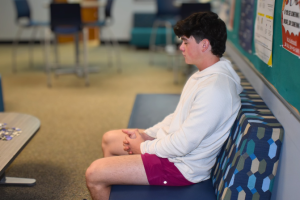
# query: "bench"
246,165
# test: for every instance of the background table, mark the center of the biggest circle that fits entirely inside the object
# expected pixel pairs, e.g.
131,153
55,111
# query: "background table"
9,150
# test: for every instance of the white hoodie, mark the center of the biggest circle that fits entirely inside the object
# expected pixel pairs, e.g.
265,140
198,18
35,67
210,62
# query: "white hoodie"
193,135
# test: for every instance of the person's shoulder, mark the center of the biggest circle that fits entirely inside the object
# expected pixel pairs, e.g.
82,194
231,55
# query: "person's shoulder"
216,85
213,79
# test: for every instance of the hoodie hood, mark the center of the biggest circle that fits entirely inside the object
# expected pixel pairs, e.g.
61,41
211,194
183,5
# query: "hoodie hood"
223,67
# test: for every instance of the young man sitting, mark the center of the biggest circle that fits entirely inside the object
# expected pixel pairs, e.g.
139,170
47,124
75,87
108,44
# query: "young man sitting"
182,149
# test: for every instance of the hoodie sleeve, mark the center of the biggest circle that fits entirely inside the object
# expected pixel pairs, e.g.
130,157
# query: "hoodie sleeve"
211,108
154,129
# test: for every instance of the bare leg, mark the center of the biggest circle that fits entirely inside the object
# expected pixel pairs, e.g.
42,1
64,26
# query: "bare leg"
114,170
112,143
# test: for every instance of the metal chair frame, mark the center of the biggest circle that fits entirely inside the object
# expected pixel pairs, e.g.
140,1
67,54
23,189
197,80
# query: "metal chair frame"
112,43
23,12
166,16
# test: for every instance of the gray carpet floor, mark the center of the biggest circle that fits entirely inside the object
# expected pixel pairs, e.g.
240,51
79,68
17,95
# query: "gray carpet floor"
73,117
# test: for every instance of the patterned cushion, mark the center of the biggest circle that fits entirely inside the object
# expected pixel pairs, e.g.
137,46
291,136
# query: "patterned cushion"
247,164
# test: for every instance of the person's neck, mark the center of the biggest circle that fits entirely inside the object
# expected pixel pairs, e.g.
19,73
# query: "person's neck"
208,61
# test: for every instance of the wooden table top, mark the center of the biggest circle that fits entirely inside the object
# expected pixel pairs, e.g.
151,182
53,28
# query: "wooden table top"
10,149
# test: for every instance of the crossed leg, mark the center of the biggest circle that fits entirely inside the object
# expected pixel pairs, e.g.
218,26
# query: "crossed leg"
111,170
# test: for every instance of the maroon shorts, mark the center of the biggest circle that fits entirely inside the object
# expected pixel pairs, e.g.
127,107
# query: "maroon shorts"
160,171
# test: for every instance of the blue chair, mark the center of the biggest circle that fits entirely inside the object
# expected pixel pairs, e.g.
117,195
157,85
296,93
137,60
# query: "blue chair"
65,19
167,15
24,15
106,23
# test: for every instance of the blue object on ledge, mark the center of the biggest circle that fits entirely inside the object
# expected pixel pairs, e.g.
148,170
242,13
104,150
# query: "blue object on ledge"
1,97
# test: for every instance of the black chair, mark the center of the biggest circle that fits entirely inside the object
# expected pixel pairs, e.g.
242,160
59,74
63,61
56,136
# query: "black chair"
105,24
65,19
23,19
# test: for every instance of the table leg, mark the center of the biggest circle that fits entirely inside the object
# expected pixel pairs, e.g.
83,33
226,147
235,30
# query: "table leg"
77,56
12,181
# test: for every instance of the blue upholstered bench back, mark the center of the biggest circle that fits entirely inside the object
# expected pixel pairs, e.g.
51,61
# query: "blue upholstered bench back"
247,164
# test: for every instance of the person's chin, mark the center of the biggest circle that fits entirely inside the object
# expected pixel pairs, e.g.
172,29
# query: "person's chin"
187,61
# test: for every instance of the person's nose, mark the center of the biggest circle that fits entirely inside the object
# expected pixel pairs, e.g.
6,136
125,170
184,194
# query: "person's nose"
181,48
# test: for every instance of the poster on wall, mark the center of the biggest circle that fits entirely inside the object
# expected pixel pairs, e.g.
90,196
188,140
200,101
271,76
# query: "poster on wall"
226,13
231,15
246,25
290,20
263,36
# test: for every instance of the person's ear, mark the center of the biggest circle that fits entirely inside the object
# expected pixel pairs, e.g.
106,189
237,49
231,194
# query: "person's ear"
205,44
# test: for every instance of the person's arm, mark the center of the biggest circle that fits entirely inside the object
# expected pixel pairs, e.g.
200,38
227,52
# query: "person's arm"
145,136
209,111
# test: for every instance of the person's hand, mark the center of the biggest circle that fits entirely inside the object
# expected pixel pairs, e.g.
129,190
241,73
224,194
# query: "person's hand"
130,134
132,141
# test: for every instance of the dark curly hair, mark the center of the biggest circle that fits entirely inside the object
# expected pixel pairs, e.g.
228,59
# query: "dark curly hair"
204,25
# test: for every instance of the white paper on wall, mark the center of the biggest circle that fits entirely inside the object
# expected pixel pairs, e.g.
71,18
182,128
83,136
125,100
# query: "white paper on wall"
263,35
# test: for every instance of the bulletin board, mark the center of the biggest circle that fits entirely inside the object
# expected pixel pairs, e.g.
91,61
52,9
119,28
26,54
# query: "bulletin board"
284,75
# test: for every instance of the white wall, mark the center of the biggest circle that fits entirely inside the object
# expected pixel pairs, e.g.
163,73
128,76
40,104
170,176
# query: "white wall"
8,27
122,13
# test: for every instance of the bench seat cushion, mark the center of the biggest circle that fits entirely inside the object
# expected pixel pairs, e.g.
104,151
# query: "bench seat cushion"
204,190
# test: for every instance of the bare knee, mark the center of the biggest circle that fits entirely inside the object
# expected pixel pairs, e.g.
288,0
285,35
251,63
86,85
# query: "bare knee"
109,141
108,137
94,174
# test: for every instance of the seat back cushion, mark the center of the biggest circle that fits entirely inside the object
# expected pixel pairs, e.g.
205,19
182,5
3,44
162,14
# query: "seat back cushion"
247,163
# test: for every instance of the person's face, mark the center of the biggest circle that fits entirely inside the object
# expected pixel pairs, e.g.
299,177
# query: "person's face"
190,50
